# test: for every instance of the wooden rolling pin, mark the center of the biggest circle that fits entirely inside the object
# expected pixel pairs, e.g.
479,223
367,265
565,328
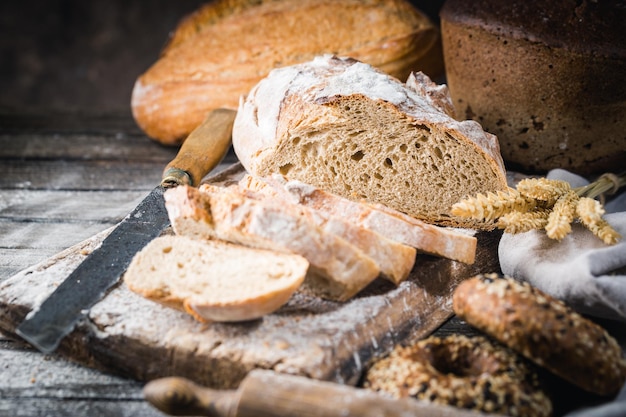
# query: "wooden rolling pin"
269,394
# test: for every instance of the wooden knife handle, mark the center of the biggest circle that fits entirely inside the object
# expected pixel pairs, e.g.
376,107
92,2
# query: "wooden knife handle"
202,150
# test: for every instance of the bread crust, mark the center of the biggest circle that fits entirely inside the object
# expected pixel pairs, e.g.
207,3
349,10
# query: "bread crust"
201,278
338,269
387,222
221,51
544,330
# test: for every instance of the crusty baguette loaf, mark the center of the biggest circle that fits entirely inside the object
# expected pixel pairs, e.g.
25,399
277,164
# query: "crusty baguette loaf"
350,129
215,280
218,53
338,269
394,259
427,238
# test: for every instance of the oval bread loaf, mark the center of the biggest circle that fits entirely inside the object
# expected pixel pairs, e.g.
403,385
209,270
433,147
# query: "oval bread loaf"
352,130
224,48
215,280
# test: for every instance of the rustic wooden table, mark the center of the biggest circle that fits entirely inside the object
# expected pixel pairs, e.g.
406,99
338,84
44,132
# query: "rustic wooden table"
64,178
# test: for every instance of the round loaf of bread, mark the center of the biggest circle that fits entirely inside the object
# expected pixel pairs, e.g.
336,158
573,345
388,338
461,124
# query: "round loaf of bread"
353,130
546,77
544,330
473,373
219,52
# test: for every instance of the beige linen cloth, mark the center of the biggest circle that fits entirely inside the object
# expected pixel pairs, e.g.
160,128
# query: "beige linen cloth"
580,270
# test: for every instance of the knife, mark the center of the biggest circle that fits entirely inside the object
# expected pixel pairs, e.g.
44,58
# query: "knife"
264,393
44,327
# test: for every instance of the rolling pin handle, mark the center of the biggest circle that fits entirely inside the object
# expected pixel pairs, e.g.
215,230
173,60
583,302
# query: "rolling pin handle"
265,393
181,397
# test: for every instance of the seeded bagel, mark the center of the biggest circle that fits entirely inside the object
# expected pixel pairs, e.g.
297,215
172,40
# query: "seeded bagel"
473,373
544,330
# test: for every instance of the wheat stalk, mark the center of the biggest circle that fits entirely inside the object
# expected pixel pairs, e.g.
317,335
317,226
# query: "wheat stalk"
492,205
541,203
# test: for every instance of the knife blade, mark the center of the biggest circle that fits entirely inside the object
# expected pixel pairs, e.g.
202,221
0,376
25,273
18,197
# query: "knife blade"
46,326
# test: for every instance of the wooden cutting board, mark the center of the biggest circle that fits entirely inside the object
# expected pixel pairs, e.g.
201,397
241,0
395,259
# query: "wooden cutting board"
128,335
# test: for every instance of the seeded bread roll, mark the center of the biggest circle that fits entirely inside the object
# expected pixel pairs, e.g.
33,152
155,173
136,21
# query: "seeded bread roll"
544,330
214,280
546,77
349,129
473,373
219,52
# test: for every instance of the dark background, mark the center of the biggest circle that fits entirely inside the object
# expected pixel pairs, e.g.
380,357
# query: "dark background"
84,56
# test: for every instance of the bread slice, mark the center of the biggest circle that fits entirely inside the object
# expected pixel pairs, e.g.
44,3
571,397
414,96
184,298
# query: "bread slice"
394,259
396,226
215,280
347,128
224,48
338,269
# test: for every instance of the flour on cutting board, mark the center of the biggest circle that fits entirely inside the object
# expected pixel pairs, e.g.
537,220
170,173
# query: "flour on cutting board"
127,334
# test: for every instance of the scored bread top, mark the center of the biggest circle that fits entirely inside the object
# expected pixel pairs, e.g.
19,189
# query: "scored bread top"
224,48
351,129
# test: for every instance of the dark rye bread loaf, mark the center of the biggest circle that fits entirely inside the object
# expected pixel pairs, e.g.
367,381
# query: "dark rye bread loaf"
546,77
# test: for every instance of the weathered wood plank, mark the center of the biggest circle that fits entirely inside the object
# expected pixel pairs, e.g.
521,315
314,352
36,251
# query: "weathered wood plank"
14,260
40,375
58,405
34,235
120,146
81,175
35,225
50,385
68,206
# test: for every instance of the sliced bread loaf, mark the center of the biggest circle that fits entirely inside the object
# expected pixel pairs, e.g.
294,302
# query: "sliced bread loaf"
394,259
349,129
214,280
396,226
338,269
